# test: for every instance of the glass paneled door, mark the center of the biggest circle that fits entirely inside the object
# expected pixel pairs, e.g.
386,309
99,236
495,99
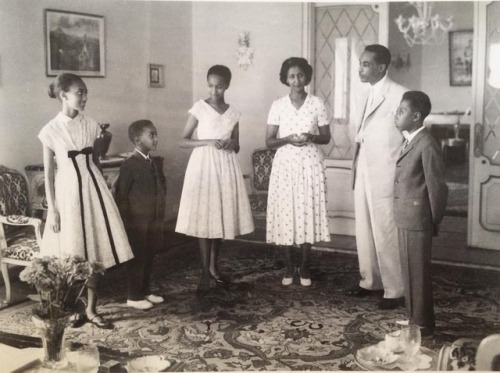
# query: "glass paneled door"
484,187
338,35
341,33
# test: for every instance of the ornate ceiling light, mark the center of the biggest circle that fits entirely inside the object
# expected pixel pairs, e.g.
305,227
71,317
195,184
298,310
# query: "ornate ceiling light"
423,28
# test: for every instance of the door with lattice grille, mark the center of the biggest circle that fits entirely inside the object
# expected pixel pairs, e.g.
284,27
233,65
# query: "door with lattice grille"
484,187
341,33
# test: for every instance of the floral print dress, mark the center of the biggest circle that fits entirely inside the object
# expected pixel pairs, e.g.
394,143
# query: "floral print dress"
296,207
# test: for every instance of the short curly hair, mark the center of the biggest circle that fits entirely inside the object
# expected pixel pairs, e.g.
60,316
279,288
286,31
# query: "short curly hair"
222,71
137,128
419,102
299,62
382,54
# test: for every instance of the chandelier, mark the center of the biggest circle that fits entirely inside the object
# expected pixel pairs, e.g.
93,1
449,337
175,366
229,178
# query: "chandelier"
424,28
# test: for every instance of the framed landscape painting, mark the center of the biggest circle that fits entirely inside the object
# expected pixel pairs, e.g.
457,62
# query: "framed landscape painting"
74,42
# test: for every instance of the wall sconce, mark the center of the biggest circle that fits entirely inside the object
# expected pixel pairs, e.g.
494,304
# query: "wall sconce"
401,62
245,53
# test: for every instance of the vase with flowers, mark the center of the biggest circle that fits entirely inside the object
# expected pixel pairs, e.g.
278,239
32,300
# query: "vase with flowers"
59,283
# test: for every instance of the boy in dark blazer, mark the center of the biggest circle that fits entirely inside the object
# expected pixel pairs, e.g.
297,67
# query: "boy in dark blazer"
140,196
420,195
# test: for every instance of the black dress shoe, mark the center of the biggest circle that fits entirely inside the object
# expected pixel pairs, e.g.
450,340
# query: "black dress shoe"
391,303
358,291
220,279
426,331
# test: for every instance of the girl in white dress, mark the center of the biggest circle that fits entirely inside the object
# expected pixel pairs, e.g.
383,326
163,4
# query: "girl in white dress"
82,218
214,203
296,207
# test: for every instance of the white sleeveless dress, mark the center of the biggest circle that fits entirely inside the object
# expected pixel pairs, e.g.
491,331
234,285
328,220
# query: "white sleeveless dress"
214,201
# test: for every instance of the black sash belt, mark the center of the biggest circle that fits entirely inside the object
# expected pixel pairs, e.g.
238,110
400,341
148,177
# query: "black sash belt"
88,151
72,154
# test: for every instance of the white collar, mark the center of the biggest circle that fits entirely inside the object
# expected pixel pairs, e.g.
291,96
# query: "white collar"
377,87
66,119
410,136
144,155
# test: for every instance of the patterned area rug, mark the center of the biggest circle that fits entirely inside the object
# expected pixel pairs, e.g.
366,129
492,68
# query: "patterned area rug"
255,323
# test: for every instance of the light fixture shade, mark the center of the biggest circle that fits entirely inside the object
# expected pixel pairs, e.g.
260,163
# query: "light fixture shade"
423,28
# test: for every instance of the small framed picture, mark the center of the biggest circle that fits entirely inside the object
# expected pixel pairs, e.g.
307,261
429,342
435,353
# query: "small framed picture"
155,75
461,49
74,42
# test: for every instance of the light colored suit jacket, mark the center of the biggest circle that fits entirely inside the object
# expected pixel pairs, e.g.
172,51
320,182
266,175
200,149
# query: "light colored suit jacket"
420,192
381,139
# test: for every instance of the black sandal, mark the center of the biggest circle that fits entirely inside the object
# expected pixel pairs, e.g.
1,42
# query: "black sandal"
101,323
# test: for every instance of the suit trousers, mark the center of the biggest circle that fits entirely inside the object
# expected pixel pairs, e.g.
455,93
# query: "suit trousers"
415,248
376,237
141,266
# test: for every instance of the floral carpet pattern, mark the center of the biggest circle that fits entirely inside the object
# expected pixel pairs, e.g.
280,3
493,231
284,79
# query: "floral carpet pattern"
255,323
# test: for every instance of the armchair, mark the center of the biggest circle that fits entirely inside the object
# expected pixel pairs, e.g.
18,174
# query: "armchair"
20,234
262,161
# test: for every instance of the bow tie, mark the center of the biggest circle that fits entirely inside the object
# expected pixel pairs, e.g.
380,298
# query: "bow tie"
74,153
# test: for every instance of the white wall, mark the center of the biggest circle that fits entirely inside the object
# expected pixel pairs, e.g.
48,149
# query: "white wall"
275,33
137,33
436,66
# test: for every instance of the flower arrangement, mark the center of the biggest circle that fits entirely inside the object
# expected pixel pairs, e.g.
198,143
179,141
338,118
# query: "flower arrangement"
59,283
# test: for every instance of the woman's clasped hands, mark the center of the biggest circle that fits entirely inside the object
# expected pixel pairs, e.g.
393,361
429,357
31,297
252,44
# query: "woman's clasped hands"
225,144
299,139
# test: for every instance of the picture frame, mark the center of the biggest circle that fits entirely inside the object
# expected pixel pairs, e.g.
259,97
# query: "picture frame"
74,43
461,50
156,75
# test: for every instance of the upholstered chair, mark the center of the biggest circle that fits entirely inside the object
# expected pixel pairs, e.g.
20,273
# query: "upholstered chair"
488,354
20,234
262,161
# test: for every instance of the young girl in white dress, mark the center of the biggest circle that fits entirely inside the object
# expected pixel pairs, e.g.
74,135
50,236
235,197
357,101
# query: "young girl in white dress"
296,206
214,203
82,218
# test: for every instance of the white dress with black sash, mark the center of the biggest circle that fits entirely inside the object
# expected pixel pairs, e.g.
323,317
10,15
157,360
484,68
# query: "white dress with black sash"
91,226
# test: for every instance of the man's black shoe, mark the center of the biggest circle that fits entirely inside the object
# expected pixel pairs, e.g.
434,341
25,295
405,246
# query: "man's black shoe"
391,303
358,291
426,331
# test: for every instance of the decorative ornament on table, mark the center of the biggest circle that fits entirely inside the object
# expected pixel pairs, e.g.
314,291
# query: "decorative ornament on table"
102,143
245,53
59,283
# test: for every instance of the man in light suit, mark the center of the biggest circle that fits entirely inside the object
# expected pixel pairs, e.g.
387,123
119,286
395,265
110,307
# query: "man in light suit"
420,196
378,143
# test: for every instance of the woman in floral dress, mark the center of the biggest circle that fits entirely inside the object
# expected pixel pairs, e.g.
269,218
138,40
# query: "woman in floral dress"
296,211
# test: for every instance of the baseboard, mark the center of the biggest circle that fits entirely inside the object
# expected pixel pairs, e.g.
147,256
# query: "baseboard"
434,261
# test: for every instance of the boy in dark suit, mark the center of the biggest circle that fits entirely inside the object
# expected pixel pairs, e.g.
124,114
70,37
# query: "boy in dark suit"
140,196
420,195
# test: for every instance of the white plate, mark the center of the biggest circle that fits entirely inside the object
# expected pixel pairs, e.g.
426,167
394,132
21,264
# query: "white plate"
373,355
148,364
